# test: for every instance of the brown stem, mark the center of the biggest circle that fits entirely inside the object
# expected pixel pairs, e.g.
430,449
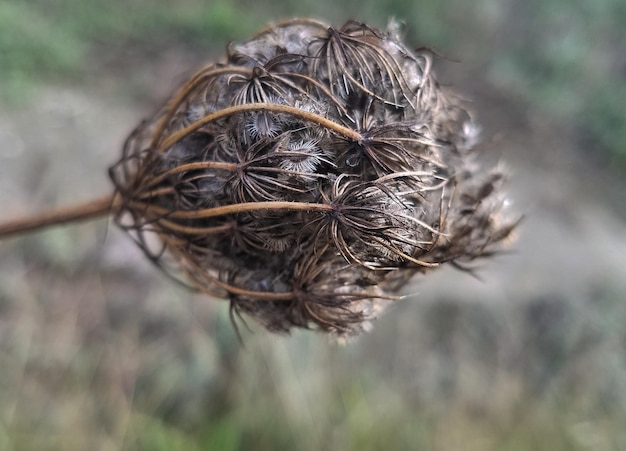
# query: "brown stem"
244,207
192,167
270,107
169,225
263,295
207,72
102,206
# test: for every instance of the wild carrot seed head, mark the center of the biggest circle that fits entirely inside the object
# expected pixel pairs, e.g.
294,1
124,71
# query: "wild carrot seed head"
307,175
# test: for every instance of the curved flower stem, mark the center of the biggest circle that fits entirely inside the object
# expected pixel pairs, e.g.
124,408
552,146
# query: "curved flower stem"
185,91
107,205
92,209
270,107
169,225
224,210
260,295
193,167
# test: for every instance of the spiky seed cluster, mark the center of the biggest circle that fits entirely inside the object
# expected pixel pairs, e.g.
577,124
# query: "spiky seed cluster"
307,175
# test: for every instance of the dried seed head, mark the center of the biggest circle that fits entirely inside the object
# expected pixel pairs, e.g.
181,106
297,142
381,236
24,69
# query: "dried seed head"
309,174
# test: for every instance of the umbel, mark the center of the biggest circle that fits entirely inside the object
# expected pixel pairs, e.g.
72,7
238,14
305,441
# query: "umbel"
306,177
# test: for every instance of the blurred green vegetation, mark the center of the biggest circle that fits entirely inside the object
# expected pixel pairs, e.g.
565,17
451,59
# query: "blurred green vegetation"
165,373
563,57
567,58
43,41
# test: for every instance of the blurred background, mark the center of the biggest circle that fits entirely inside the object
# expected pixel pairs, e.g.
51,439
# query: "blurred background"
99,351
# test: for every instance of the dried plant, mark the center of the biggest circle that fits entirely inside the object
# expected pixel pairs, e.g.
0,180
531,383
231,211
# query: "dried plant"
307,176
